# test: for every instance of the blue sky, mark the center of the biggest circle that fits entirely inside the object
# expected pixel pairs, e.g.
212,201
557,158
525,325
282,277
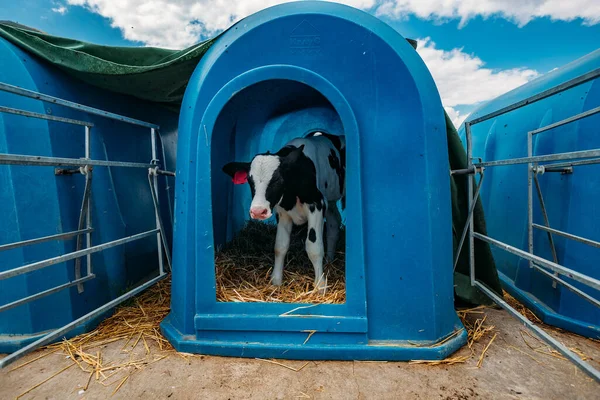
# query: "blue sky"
493,44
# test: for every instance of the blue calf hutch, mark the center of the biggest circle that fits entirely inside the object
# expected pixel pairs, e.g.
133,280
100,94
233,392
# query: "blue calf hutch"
571,199
36,202
285,72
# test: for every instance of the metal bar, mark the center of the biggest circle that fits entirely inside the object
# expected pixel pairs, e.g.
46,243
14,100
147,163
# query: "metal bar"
568,235
163,172
82,212
166,174
154,189
30,114
567,120
587,368
578,276
67,171
573,155
471,203
529,196
88,143
69,256
573,163
568,285
546,221
562,170
18,159
469,217
90,110
88,213
65,329
464,171
85,203
160,224
46,293
59,236
540,96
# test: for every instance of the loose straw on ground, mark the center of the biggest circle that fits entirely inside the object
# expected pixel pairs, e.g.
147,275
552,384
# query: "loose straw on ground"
35,359
283,365
476,328
526,312
44,381
446,361
134,322
120,384
480,362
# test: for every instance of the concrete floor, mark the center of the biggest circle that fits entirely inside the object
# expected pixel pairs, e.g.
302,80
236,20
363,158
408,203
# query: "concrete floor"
511,370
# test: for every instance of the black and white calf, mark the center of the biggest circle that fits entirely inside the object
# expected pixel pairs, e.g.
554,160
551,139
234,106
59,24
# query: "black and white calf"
301,183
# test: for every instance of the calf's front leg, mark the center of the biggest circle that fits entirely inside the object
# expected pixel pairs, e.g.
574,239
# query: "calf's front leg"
314,246
282,244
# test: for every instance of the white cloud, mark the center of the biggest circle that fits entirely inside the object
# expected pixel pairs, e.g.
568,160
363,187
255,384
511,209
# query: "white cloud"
519,11
463,79
62,10
181,23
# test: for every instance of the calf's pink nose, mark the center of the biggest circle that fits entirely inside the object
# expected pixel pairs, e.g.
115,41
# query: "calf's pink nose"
259,212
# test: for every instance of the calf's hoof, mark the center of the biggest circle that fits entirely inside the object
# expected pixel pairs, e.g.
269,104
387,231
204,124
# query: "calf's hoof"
321,287
276,280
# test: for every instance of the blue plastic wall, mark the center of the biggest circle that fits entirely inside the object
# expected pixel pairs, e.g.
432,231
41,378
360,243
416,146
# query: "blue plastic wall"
571,200
283,73
37,203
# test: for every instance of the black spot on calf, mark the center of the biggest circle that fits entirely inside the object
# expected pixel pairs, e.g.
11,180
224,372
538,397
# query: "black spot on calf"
334,163
311,208
335,140
312,235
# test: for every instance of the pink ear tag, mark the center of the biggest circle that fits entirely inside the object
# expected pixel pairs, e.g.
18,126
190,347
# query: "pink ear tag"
240,177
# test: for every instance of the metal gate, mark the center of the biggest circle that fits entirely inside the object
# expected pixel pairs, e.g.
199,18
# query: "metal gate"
559,162
85,229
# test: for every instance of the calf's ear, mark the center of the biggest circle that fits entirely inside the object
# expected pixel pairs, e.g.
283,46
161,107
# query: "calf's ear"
238,171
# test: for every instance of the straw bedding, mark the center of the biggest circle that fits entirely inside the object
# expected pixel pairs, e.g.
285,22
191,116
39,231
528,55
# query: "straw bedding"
243,268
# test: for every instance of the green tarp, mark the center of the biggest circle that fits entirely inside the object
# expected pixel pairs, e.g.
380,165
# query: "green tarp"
149,73
161,75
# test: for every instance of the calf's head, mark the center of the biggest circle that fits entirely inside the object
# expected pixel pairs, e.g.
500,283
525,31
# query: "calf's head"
267,174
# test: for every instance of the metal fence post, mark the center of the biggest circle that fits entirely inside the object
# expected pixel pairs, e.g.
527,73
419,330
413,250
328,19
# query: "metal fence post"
157,209
530,197
470,204
88,216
